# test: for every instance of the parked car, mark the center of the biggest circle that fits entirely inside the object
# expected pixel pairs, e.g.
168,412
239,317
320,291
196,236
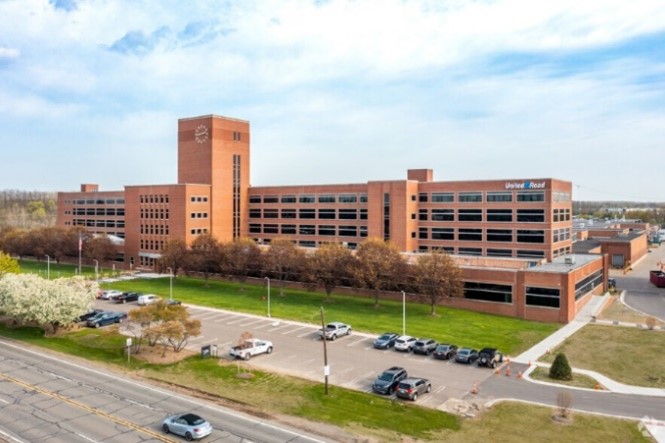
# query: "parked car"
411,388
109,294
146,299
445,351
190,426
424,346
91,313
173,302
250,348
386,340
489,357
405,343
387,382
127,297
334,330
105,318
466,355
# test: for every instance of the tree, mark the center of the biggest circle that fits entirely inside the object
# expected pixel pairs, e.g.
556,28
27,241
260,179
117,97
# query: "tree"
177,333
377,267
283,260
173,256
241,258
163,323
8,265
437,276
51,304
560,369
100,248
329,266
205,256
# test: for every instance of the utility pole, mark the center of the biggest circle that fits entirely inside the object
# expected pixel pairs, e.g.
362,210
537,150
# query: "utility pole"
326,368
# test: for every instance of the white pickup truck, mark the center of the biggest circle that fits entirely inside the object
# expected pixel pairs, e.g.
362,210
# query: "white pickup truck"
250,348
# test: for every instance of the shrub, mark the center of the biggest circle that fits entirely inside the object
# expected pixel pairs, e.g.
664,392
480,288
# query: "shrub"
650,322
560,369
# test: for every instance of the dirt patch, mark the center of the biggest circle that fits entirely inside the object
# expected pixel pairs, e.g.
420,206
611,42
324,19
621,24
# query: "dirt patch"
156,355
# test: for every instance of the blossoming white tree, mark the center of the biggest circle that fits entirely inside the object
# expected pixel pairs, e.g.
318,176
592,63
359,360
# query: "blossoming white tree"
28,298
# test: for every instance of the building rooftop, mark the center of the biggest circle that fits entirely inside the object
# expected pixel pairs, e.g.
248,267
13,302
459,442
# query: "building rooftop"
567,263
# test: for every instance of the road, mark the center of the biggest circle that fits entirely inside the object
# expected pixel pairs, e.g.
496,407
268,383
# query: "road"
641,294
45,398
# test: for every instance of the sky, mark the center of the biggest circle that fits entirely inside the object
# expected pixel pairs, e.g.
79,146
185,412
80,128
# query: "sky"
338,91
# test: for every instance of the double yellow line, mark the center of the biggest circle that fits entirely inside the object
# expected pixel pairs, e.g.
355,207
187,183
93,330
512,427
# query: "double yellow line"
90,409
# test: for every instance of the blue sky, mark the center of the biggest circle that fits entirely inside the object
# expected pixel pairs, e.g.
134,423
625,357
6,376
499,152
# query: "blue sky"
338,91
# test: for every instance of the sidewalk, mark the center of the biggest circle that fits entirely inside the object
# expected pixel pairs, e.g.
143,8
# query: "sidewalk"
585,316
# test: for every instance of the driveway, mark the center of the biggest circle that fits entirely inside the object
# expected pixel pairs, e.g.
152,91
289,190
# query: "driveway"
641,294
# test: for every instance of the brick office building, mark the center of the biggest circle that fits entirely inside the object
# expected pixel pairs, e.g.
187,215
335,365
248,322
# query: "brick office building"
526,223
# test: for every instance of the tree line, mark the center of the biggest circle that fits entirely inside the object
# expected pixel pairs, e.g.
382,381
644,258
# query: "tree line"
27,209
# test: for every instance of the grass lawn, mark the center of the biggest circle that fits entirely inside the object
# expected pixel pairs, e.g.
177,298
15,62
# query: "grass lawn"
366,415
578,381
464,328
620,312
56,270
628,355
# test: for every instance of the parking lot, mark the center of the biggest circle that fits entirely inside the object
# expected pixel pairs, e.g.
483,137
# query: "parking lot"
353,361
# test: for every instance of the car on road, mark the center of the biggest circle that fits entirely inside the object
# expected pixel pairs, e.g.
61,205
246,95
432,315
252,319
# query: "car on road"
334,330
146,299
190,426
387,382
424,346
105,318
490,357
385,341
411,388
109,294
405,343
466,355
127,297
445,351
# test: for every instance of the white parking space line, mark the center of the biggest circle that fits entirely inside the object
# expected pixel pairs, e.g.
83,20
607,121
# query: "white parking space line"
362,377
205,315
235,322
310,332
251,322
296,329
278,327
358,341
223,318
440,389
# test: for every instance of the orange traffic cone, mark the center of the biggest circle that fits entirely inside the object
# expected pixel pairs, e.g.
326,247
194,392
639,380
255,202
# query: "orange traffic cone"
519,375
529,363
507,371
474,389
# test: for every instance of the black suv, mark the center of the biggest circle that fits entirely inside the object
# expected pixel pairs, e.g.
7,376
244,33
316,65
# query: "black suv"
387,382
445,351
489,357
424,346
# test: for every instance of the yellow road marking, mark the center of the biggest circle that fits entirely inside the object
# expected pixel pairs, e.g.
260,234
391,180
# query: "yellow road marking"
90,409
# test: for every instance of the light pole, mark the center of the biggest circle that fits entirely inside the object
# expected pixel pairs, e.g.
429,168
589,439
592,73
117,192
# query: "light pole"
48,267
96,270
403,313
170,283
268,280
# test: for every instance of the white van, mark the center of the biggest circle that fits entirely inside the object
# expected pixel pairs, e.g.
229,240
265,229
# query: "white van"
147,299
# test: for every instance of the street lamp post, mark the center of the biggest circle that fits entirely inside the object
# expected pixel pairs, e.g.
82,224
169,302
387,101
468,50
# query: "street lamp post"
268,280
96,270
170,283
403,313
48,267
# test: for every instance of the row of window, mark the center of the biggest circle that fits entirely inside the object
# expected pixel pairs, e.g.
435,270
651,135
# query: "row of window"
476,234
199,231
476,215
99,223
97,201
477,197
324,230
199,215
151,245
323,214
97,211
561,215
561,251
198,199
162,214
308,243
154,229
309,198
162,198
489,252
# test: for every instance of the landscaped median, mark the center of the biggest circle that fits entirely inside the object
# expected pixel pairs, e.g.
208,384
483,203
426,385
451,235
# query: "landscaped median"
368,416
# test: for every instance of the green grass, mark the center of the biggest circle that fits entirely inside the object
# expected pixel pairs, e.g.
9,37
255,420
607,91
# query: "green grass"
464,328
579,380
57,270
625,354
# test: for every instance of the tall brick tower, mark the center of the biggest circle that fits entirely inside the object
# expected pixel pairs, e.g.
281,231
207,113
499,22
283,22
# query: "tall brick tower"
214,150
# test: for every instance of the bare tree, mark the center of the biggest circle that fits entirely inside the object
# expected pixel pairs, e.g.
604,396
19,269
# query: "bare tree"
205,256
173,255
329,266
564,403
377,267
241,258
437,276
282,261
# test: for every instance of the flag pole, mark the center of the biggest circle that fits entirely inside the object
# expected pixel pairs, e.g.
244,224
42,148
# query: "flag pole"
80,248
